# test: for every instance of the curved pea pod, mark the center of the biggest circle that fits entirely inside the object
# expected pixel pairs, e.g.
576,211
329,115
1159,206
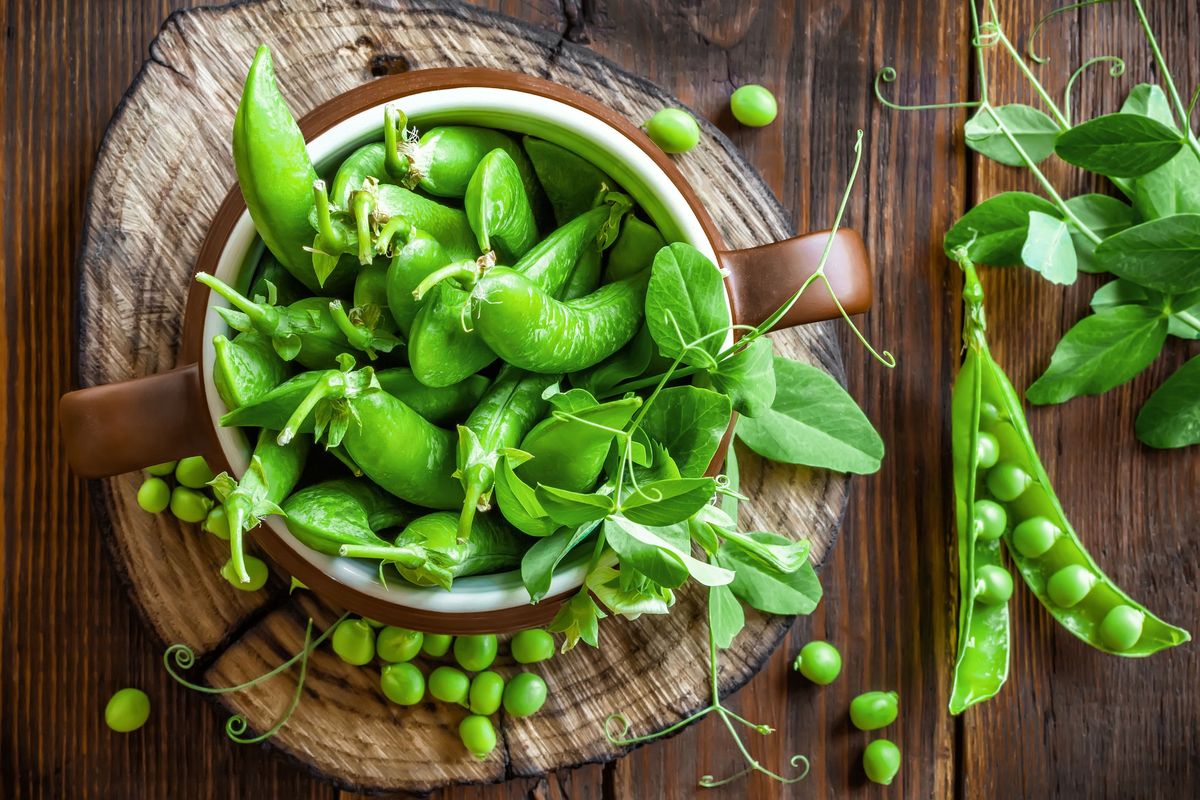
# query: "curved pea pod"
273,472
440,406
448,225
328,515
568,448
246,368
416,255
427,552
367,162
397,448
529,328
498,209
503,417
370,285
273,169
634,249
573,184
585,278
275,284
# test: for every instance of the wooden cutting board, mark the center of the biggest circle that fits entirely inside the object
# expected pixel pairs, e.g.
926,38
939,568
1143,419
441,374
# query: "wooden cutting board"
164,167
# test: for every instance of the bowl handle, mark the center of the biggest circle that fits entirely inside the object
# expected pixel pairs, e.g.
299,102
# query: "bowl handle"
761,279
120,427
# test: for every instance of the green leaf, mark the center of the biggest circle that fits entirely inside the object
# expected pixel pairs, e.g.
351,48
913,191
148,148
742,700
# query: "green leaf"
1149,100
1103,350
769,590
669,501
540,560
630,599
1119,145
1049,250
1171,417
1032,129
748,378
518,501
995,230
570,401
1173,188
630,362
785,556
1105,216
573,508
686,302
1162,254
1121,292
649,551
577,620
689,422
725,615
813,422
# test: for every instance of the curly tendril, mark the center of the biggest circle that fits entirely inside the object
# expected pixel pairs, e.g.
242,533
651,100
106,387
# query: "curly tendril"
1037,29
988,35
1116,70
888,75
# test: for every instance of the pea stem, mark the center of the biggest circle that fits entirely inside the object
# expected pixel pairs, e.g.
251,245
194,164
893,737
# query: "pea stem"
1165,72
263,317
395,228
331,384
362,205
408,556
396,162
465,273
236,513
1061,118
1187,319
332,237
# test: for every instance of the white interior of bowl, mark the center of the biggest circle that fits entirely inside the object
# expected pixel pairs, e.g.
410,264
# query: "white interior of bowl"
512,110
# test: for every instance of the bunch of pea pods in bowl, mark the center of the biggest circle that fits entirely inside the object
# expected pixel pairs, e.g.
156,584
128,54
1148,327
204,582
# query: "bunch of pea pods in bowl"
416,344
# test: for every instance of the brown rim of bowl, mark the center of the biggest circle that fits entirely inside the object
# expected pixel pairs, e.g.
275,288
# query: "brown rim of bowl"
313,124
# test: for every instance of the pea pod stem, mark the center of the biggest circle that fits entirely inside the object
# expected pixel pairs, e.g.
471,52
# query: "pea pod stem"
396,161
359,336
465,274
407,556
330,234
263,317
330,385
237,512
398,228
362,206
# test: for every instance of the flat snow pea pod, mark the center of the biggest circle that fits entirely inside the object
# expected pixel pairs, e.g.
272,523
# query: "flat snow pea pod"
427,552
585,278
506,413
414,255
245,368
273,169
274,277
304,331
498,209
365,162
334,513
634,249
530,329
569,449
272,475
573,184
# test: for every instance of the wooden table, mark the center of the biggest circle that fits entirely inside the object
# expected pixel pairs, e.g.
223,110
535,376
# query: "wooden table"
1071,722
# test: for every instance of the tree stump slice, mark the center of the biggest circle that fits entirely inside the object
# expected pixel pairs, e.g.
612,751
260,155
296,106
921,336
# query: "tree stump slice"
162,171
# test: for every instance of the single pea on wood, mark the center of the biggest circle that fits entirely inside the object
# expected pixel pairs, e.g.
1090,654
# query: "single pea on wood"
819,661
674,130
753,105
127,710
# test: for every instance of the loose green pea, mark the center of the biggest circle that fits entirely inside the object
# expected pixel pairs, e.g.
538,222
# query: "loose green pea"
993,585
1008,481
162,470
1070,585
257,569
881,761
487,692
189,505
525,694
154,495
354,641
674,130
990,519
217,523
1035,536
437,644
403,684
819,661
1121,628
449,685
532,646
871,711
987,451
478,736
193,472
476,653
127,710
753,105
398,644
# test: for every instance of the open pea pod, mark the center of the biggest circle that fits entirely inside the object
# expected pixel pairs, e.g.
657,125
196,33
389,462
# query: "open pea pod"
246,368
330,515
568,448
498,209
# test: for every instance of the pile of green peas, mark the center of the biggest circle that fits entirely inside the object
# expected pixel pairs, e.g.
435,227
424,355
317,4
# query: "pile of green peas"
182,487
359,641
821,663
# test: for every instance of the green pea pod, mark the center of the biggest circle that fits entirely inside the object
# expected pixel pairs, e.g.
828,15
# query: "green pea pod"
392,444
448,225
498,208
273,472
585,279
366,328
572,184
441,406
275,284
367,162
505,414
427,553
416,254
246,368
370,285
328,515
634,249
639,357
273,169
304,331
528,328
568,449
1041,542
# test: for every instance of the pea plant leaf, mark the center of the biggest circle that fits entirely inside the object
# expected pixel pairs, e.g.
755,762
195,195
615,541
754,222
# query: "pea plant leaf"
1048,249
748,378
1173,188
1102,214
725,616
540,560
650,551
518,501
578,619
814,422
995,230
1149,100
573,508
1103,350
667,502
1121,292
689,422
1032,129
1120,145
1163,254
628,598
1171,417
630,362
769,590
685,303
